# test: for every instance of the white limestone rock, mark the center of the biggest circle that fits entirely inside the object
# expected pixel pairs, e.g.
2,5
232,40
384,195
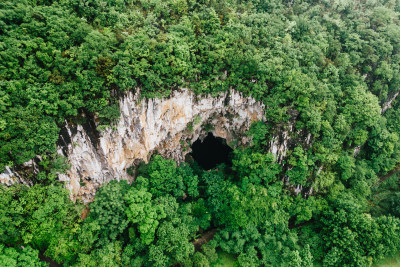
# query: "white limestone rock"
149,125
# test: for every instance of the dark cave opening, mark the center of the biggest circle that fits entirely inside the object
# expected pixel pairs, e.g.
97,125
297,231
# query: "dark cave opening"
211,152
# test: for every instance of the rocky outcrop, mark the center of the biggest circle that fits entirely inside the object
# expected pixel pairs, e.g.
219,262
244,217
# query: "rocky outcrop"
168,126
279,144
20,174
9,177
388,104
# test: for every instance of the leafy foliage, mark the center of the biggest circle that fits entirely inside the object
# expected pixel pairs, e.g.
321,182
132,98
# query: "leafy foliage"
107,217
41,216
20,257
140,211
327,72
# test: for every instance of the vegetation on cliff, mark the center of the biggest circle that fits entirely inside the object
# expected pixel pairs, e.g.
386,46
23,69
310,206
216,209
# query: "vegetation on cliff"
327,69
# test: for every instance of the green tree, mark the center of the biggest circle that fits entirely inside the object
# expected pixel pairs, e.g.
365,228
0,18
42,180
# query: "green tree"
142,212
26,256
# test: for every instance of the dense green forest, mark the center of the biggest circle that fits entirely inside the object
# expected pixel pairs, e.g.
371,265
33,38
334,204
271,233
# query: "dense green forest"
331,68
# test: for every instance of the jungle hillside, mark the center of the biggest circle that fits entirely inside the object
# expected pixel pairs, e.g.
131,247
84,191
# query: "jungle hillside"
327,71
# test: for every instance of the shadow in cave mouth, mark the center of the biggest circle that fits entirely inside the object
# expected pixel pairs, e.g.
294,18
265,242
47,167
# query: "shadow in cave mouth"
211,152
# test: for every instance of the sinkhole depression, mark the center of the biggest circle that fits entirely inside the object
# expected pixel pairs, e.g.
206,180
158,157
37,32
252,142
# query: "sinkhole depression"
211,152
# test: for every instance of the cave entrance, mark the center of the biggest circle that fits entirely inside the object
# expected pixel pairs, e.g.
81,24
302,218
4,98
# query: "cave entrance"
211,152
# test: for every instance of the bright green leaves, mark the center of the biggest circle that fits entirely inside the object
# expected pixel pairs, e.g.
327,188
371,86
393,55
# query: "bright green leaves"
304,210
41,216
273,245
11,215
10,257
201,213
173,240
109,115
107,255
51,213
165,178
255,167
356,239
325,68
346,165
132,225
361,107
108,211
258,131
46,76
154,63
299,171
27,134
209,21
247,206
174,233
239,205
148,221
144,213
190,180
312,116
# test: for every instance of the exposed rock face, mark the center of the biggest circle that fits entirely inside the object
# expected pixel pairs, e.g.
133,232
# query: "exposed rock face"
388,104
279,144
167,126
11,176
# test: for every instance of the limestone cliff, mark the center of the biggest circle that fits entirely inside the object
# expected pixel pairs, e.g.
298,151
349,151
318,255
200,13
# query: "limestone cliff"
167,125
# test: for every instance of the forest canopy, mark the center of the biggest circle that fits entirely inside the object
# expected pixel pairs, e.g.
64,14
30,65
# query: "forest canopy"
329,69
